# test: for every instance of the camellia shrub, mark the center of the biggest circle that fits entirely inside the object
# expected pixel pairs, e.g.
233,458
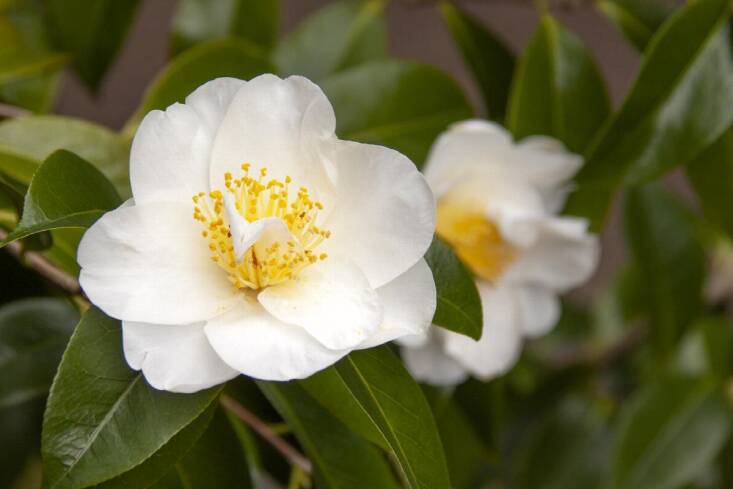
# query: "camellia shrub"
305,263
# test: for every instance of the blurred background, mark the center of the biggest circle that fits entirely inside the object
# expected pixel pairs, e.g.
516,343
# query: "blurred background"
415,32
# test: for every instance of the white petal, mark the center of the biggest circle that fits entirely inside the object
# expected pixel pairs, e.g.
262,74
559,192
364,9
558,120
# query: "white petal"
409,303
332,300
498,349
429,363
563,256
483,150
255,343
466,148
539,310
176,358
384,214
245,234
278,124
169,159
150,264
545,161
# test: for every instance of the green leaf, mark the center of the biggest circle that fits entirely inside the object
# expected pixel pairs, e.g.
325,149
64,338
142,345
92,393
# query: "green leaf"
197,21
341,35
35,92
393,401
196,66
576,463
33,336
329,388
399,104
662,237
707,349
678,105
92,32
669,434
459,304
19,429
62,252
102,419
65,192
155,467
711,176
637,20
217,459
485,54
18,60
203,455
27,141
557,90
465,452
342,459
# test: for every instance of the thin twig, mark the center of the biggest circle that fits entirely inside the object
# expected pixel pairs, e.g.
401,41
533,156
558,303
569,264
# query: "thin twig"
7,110
286,450
40,264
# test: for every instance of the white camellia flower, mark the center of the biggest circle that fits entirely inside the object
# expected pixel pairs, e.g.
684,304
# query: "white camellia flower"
257,242
497,205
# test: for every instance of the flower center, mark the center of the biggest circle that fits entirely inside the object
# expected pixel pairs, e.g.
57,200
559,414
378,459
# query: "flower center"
475,239
240,216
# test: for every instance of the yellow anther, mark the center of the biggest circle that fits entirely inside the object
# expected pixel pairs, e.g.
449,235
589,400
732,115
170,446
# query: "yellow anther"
254,200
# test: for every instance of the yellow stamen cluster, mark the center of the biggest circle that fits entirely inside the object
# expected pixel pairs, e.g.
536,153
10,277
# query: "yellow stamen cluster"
476,239
255,198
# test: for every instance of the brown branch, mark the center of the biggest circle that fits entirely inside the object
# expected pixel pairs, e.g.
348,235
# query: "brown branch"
7,110
286,450
40,264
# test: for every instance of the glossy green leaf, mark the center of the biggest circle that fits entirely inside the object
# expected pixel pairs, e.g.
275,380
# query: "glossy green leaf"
65,192
459,304
711,176
662,237
198,21
343,34
557,90
206,454
678,105
485,54
196,66
27,141
399,104
216,460
578,462
329,388
393,401
166,458
464,451
92,32
342,459
33,336
637,20
102,418
668,434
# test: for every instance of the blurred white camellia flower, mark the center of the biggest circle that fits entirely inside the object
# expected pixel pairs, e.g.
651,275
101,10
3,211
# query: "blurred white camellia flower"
497,205
257,241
